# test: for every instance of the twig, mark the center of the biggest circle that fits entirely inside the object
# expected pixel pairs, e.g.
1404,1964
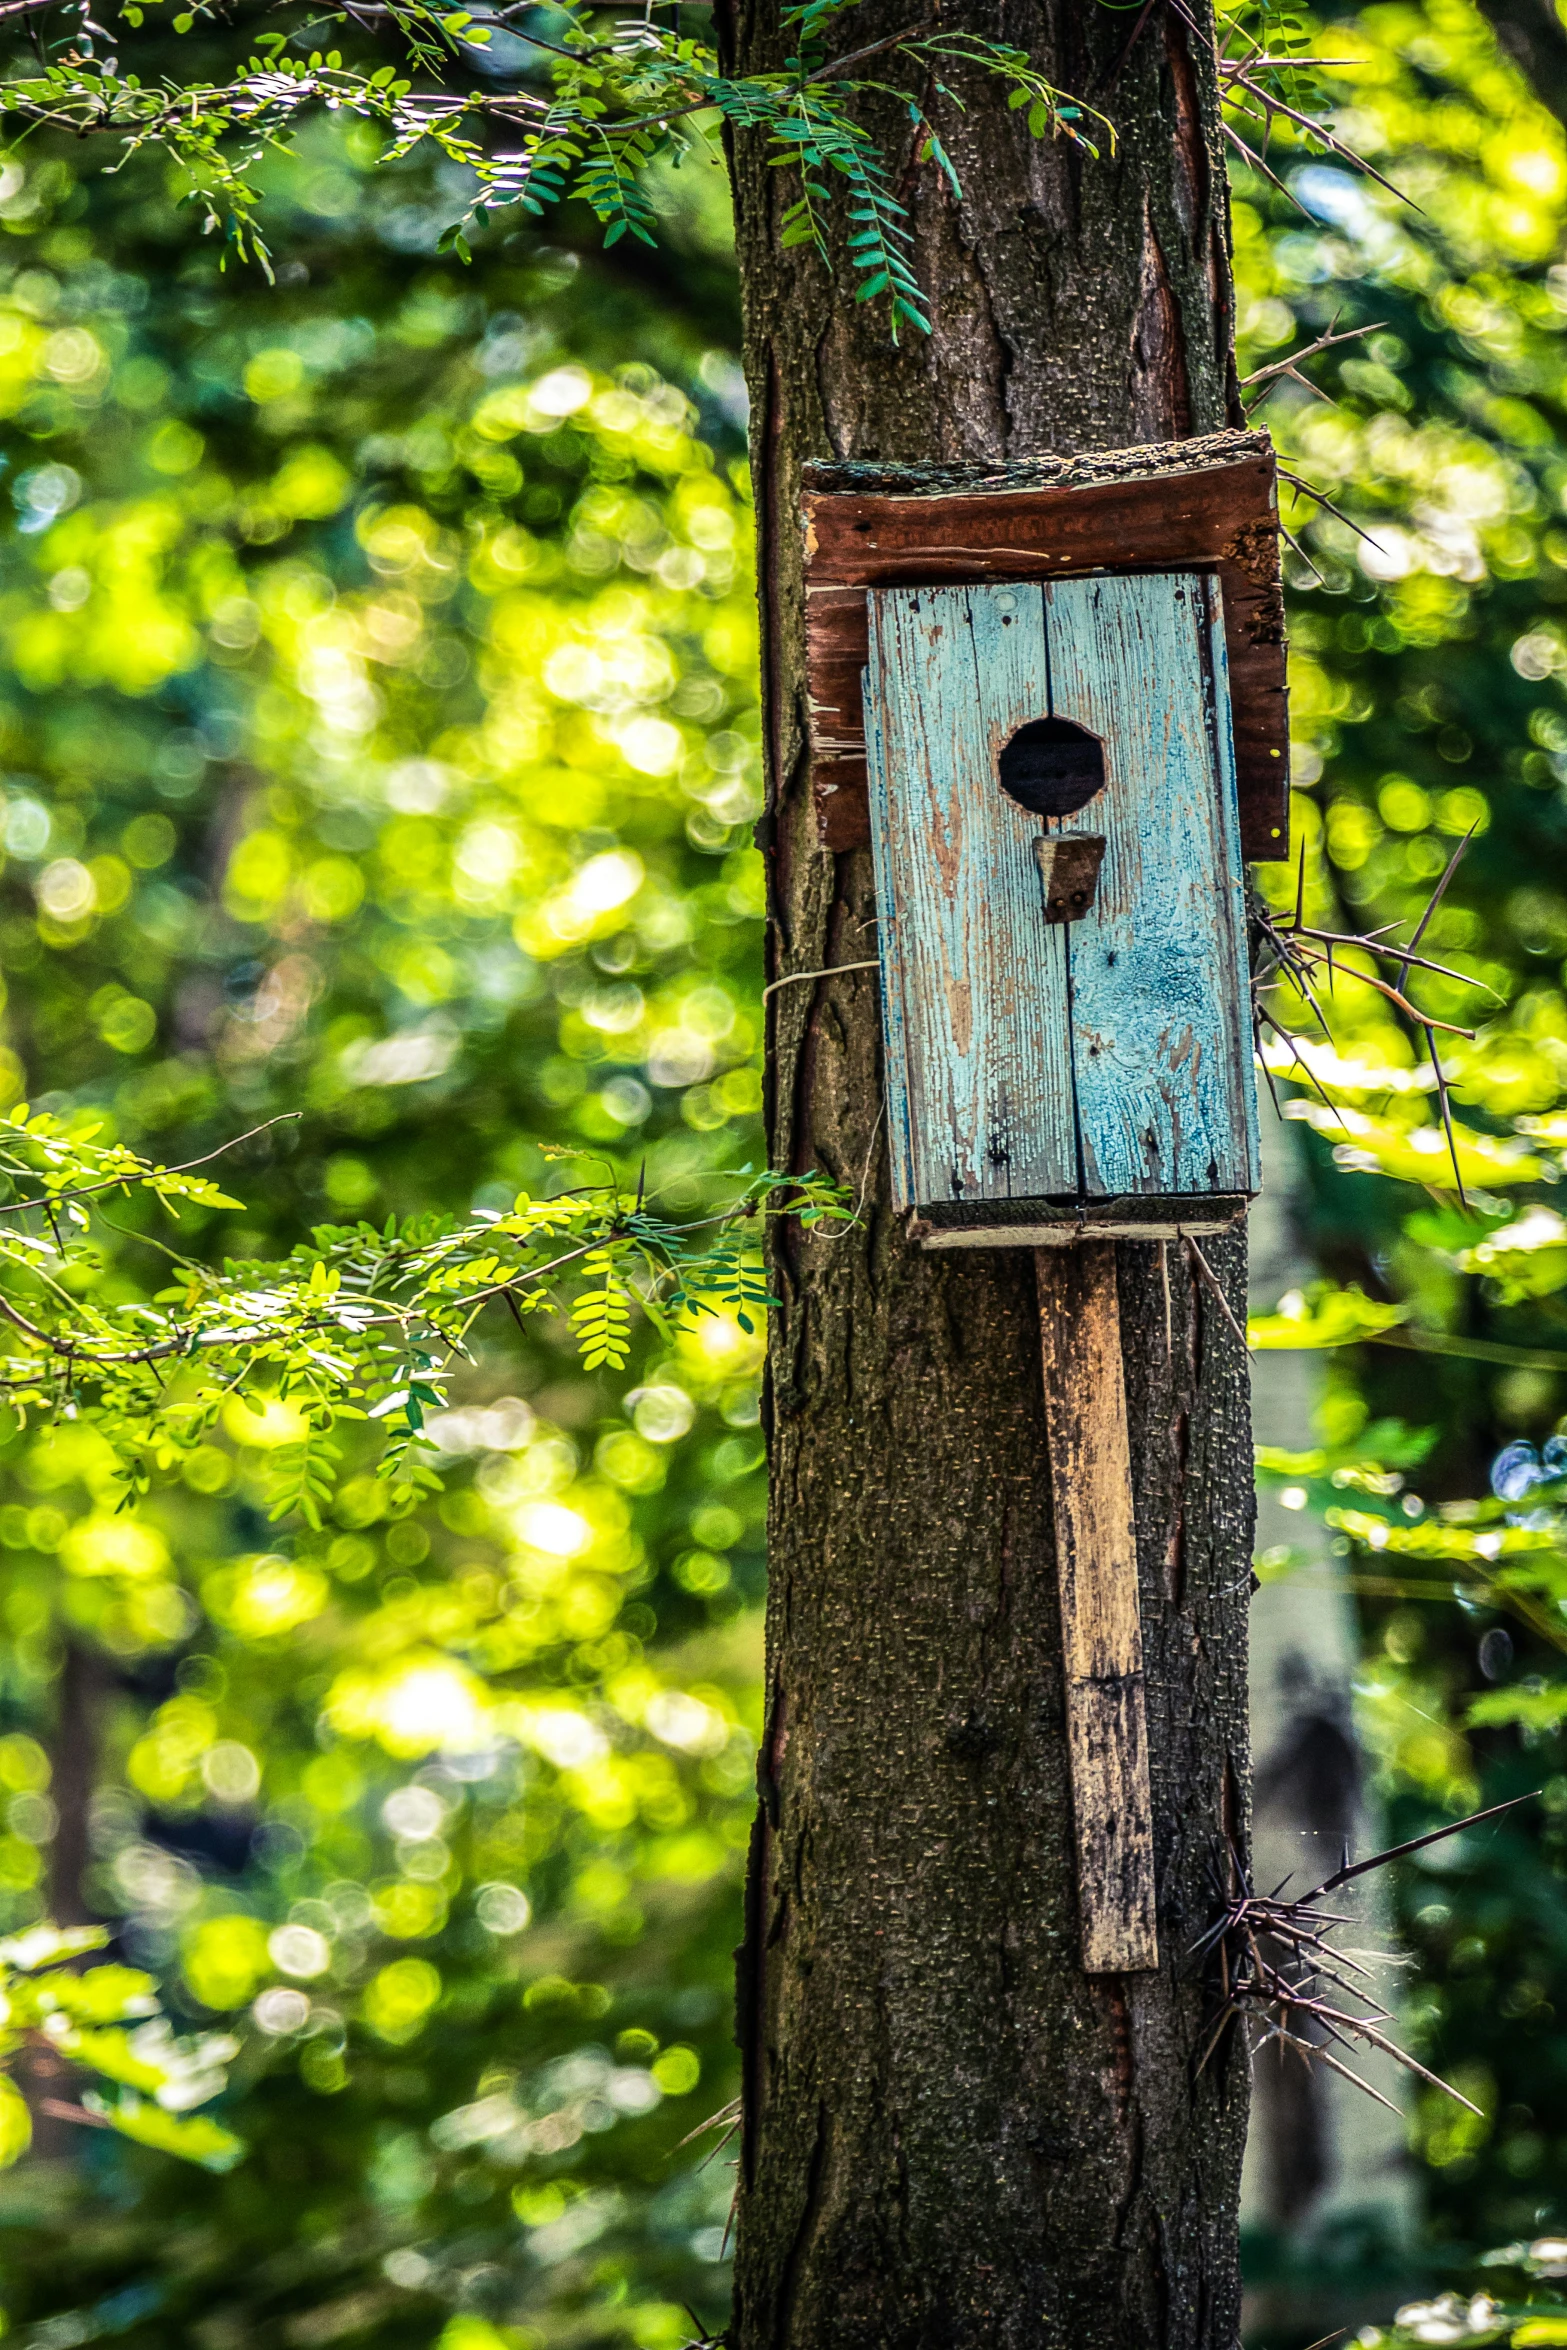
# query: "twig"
60,1199
1322,499
1294,375
794,978
1300,949
1294,543
1238,77
1326,342
1210,1282
874,49
1417,1844
1250,156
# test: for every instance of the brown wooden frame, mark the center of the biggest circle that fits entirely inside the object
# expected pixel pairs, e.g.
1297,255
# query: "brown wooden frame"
1200,505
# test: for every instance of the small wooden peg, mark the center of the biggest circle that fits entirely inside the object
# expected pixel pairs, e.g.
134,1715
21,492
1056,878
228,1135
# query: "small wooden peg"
1069,865
1096,1557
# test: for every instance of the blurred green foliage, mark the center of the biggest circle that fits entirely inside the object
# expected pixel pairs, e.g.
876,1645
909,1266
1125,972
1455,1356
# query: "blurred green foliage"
379,745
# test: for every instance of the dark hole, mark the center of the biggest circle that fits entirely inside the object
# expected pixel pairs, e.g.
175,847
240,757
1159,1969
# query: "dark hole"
1051,767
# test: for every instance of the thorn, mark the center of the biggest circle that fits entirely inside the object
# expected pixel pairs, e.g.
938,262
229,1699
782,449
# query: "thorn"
1419,1843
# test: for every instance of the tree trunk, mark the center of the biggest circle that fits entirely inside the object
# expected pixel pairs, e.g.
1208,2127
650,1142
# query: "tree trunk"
954,2137
77,1751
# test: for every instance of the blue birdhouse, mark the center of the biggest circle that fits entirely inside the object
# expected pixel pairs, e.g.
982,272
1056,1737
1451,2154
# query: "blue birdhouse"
1062,935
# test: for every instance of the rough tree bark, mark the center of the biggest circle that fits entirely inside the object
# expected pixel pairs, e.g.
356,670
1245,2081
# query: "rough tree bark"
952,2136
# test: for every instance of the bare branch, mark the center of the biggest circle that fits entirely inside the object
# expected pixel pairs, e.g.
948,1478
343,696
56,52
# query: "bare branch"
1380,1860
1326,342
1322,499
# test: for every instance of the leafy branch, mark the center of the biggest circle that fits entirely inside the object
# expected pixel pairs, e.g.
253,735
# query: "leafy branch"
106,2020
355,1325
583,117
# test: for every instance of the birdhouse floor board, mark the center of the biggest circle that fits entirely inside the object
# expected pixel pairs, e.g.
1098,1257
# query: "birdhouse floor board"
1106,1058
1070,1235
1209,504
1101,1630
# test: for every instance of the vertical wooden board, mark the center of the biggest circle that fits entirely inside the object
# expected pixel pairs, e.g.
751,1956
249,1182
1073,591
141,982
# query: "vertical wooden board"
973,977
1161,1040
1101,1631
1238,975
894,1027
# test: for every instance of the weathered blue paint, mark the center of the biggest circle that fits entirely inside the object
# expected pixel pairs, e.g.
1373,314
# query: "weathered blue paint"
1029,1060
979,1085
1233,871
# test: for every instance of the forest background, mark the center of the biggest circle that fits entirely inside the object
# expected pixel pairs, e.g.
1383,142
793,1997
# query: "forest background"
379,746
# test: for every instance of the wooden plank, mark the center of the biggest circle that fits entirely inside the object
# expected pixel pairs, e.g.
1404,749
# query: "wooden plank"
1088,468
1067,1234
979,1090
887,538
1101,1632
1161,1040
1209,504
1235,977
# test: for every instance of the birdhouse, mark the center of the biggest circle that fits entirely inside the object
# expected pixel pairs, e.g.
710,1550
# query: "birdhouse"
1058,667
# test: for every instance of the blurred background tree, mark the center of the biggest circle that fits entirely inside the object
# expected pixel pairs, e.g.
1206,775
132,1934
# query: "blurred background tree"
378,741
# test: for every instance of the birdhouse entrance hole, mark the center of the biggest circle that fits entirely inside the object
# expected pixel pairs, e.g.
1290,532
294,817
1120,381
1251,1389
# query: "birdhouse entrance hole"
1051,767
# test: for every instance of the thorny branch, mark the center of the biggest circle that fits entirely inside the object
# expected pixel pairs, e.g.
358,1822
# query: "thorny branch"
1295,953
1238,68
1290,367
1277,1969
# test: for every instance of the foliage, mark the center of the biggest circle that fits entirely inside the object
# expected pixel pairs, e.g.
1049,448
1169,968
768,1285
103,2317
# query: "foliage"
355,1325
379,752
80,2015
584,114
1518,2301
380,649
1425,609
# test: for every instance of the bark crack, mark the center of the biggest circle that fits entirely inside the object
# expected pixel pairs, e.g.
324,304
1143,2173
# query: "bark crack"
810,2212
1161,392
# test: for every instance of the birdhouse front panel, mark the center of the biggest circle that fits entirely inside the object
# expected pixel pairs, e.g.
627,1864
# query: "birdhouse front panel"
1059,889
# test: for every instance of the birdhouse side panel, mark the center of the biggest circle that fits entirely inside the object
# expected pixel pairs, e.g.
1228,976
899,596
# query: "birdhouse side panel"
974,984
896,1084
1221,724
1161,1040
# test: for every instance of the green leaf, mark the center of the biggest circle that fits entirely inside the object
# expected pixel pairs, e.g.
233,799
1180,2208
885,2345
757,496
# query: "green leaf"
16,2123
194,2137
1322,1317
40,1946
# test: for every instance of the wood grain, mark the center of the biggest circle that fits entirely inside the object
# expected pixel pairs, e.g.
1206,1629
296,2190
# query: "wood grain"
1108,1059
1101,1632
974,989
1160,1006
1210,506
